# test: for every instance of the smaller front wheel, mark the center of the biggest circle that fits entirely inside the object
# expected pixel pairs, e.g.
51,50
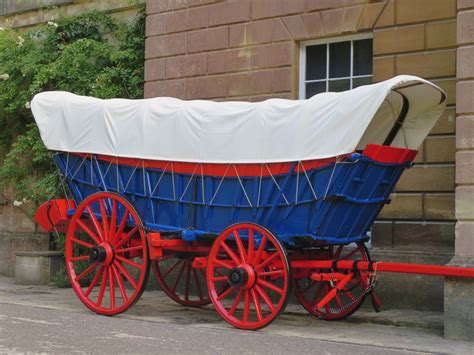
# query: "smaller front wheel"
107,254
248,276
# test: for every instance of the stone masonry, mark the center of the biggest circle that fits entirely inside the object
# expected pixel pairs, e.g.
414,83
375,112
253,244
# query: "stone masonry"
459,301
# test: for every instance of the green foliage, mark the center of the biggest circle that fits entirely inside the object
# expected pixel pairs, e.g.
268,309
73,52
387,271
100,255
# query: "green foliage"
91,54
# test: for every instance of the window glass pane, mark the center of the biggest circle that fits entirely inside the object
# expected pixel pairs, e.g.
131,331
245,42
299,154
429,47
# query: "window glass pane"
316,62
339,85
339,59
363,57
361,81
315,88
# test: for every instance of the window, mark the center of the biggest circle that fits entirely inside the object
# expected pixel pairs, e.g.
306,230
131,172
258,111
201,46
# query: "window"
338,65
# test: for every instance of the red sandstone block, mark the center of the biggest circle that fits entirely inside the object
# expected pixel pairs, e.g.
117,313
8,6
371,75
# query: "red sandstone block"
209,39
465,60
154,69
167,45
465,168
329,4
172,88
155,25
186,65
273,8
207,87
229,12
251,33
282,79
465,4
295,26
259,82
465,97
154,6
313,23
465,27
273,55
465,132
198,17
176,21
229,61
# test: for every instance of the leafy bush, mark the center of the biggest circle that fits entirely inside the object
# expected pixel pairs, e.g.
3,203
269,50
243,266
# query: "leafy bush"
91,54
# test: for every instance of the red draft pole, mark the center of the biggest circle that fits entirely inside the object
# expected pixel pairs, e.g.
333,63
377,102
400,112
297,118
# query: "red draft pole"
380,266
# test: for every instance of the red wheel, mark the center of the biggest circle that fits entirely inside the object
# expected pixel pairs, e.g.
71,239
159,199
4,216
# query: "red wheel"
107,254
254,264
346,302
180,281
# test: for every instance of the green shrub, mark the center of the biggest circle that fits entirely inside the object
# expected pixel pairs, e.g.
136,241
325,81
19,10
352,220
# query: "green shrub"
91,54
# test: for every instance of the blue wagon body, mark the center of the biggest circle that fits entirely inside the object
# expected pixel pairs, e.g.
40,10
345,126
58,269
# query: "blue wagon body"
332,204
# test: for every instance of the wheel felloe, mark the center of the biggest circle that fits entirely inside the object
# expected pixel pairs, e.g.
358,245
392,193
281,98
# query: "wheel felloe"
248,276
107,254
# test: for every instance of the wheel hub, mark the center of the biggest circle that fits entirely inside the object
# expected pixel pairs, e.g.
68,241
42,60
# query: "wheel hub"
101,254
241,276
97,254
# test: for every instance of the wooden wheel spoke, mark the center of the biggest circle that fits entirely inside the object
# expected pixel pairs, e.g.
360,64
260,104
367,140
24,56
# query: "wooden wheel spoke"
122,225
260,250
236,302
256,303
86,271
94,281
113,221
126,238
250,245
188,280
126,274
129,262
198,284
103,283
225,293
265,297
178,278
246,306
96,224
267,261
105,222
171,268
317,294
270,286
223,263
112,288
81,242
126,250
89,232
240,247
80,258
219,278
229,252
120,284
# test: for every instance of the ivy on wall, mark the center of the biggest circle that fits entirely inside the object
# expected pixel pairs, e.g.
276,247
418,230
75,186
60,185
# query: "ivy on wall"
91,54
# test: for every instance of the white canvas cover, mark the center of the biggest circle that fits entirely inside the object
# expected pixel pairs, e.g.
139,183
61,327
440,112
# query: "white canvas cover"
276,130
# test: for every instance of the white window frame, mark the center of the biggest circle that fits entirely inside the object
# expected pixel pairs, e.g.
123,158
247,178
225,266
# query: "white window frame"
302,74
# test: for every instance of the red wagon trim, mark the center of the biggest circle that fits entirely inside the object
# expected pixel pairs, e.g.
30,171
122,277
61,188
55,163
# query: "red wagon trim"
379,153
